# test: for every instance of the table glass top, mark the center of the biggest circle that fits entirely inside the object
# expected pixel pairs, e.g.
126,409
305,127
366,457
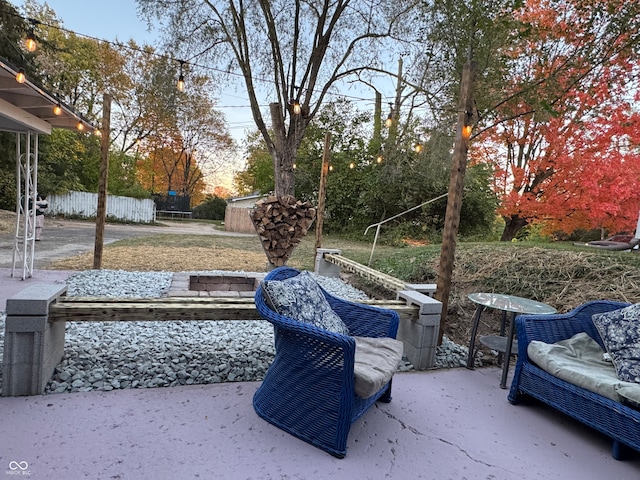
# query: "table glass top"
510,303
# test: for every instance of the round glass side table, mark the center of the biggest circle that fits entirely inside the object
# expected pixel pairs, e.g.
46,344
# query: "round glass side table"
510,306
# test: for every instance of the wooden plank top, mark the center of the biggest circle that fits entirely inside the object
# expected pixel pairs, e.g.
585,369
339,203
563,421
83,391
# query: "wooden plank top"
382,279
99,309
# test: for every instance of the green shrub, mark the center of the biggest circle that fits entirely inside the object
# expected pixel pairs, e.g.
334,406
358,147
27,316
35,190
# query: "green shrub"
212,208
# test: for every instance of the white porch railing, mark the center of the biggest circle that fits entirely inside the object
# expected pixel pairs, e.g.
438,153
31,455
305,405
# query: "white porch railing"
379,224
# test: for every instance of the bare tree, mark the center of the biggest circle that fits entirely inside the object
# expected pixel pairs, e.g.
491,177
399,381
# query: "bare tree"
294,51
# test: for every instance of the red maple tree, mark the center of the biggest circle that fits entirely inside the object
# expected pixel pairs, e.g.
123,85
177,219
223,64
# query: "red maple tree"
566,145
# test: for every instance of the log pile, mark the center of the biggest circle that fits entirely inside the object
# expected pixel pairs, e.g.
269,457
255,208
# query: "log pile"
281,223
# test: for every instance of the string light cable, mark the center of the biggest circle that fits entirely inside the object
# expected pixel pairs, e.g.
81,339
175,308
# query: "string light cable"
189,62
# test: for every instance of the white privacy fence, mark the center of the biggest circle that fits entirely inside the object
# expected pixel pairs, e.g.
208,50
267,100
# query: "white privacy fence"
85,205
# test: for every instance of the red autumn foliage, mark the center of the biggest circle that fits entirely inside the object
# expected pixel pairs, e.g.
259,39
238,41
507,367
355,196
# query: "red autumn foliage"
569,155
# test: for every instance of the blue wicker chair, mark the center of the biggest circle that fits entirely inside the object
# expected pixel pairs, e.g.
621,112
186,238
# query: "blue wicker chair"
308,390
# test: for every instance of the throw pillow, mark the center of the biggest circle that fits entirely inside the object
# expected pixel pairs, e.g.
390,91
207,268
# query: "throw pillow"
620,333
301,299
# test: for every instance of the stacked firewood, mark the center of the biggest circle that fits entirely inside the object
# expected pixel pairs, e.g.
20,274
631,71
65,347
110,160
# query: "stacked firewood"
281,223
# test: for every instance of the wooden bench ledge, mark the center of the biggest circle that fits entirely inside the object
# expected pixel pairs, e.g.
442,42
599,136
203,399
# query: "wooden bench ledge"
97,309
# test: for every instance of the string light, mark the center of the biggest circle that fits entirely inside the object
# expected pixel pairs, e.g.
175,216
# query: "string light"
417,147
296,108
389,121
466,132
159,55
331,168
180,85
352,165
30,40
379,159
80,126
57,110
20,76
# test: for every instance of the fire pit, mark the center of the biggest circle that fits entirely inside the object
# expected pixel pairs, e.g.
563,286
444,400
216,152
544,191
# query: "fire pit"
185,284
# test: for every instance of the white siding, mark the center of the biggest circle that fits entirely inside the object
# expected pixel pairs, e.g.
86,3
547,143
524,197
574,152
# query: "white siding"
85,205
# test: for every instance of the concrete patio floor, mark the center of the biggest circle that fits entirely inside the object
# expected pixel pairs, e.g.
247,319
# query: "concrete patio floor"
442,424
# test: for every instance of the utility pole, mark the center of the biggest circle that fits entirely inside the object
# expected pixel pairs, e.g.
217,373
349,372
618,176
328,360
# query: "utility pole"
101,213
456,185
394,115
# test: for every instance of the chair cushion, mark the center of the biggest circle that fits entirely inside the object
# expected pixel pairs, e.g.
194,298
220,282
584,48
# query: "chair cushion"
579,361
376,360
620,333
301,299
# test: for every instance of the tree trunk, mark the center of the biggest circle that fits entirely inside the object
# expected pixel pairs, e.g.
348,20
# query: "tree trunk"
512,225
284,152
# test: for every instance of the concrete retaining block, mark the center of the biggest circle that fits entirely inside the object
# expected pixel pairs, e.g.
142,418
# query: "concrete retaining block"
32,345
420,335
324,268
426,288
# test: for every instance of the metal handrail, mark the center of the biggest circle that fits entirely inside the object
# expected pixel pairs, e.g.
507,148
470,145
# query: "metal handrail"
379,224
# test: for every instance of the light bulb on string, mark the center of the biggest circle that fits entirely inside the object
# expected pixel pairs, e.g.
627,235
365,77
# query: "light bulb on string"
20,76
57,110
389,121
30,41
180,85
80,126
296,108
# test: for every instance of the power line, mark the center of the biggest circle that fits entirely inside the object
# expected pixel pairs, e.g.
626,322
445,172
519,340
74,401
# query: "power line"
369,101
189,61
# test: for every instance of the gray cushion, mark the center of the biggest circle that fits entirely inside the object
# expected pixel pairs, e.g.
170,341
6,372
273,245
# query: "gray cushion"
376,360
301,299
620,333
579,361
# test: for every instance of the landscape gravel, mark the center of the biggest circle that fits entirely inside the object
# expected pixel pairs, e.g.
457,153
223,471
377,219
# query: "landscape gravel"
112,355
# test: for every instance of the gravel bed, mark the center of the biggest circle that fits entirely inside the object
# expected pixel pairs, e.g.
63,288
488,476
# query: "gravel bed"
112,355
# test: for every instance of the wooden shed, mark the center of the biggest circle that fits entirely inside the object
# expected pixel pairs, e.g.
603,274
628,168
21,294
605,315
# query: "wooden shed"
236,215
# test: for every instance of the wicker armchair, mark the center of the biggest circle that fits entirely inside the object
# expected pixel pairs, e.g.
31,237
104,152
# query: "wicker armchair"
308,390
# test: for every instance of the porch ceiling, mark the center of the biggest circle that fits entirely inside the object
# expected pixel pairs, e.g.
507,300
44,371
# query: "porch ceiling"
27,106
